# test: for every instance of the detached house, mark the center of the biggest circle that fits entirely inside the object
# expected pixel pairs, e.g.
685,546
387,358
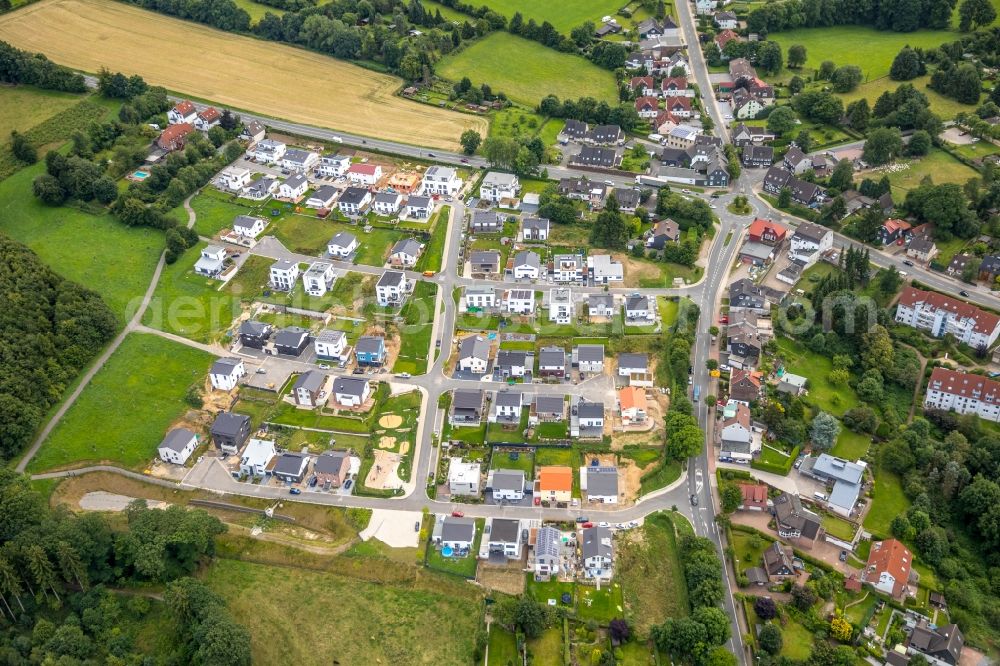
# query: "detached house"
506,485
793,521
230,431
211,262
254,334
364,174
600,305
354,200
726,20
332,468
519,301
736,440
534,229
602,269
183,112
261,189
467,407
941,646
299,161
458,534
333,166
809,242
248,227
513,363
474,355
369,350
778,561
560,305
178,446
635,367
322,197
440,180
174,137
486,222
554,484
508,406
330,345
568,268
225,373
647,107
632,405
485,262
294,187
351,391
284,274
291,467
405,252
597,552
679,107
889,568
663,232
589,358
676,86
527,265
637,308
256,458
253,132
744,386
552,362
484,298
418,208
387,203
643,86
291,340
600,484
208,119
892,231
309,389
318,278
342,245
235,178
463,478
392,288
497,186
267,151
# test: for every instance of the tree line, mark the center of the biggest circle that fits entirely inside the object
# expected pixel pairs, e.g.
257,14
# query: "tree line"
56,566
50,328
894,15
17,66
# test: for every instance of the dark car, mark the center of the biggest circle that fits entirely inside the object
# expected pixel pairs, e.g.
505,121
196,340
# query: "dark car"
694,500
294,491
464,161
843,556
358,371
431,155
416,526
963,293
581,519
907,262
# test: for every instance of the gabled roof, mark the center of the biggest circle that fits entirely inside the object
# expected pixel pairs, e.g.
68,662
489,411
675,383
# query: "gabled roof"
891,557
225,366
474,346
362,168
467,399
350,386
177,439
391,279
343,239
590,410
527,258
985,322
290,336
508,479
290,463
255,328
311,381
505,530
602,481
329,462
229,424
509,358
630,360
590,353
353,195
632,397
508,399
408,246
550,404
596,542
369,344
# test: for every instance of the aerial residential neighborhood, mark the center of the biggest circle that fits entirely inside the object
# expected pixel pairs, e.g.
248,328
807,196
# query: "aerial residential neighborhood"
553,333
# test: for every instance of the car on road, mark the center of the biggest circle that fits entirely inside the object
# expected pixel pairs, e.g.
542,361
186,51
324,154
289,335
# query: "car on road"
723,319
724,367
431,155
464,161
416,526
604,524
323,366
963,293
690,380
907,262
457,514
294,491
712,206
686,191
581,519
403,375
587,525
261,371
439,344
694,500
358,371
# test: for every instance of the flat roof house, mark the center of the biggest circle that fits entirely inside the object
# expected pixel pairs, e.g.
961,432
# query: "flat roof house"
256,458
463,478
229,431
178,446
497,186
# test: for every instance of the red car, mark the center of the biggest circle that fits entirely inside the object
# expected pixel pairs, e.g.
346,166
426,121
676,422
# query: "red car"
538,500
724,319
457,514
586,525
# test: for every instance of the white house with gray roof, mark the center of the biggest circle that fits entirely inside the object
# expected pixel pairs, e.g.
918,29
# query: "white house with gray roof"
504,538
486,222
527,265
552,362
294,187
560,305
211,262
322,197
534,229
845,476
590,415
260,189
474,354
568,268
333,166
248,226
550,408
482,297
178,446
284,274
309,389
589,358
266,151
330,345
636,368
405,252
637,308
485,262
506,485
299,160
600,484
354,200
342,245
497,186
519,301
351,391
392,288
602,269
225,373
597,552
459,534
318,278
387,203
440,180
507,407
418,207
600,305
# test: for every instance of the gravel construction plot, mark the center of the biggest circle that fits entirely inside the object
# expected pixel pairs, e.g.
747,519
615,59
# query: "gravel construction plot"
100,500
231,70
393,528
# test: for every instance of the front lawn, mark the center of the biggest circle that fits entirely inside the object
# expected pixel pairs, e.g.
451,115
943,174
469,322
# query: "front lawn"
126,410
816,368
527,71
189,304
851,445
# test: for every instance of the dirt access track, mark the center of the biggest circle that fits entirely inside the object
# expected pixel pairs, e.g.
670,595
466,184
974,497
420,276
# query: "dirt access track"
269,78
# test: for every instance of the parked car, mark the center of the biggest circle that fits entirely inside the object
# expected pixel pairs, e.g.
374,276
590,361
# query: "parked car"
963,293
358,371
348,484
323,366
843,556
294,491
587,525
581,519
907,262
416,526
457,514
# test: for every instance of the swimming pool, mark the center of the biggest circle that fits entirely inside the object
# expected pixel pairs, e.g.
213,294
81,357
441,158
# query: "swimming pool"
140,175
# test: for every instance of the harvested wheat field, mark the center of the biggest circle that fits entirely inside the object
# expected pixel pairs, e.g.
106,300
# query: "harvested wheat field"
230,70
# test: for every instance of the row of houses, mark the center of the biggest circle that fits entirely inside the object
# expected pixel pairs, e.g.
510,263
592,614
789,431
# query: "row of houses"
511,539
599,484
560,303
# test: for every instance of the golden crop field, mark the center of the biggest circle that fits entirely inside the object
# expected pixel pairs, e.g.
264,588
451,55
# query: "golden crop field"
230,70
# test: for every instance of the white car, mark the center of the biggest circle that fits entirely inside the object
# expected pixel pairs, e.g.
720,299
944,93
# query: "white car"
323,366
603,524
686,191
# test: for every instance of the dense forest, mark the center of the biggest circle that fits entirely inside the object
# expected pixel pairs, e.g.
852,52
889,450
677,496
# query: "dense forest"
50,328
895,15
17,66
59,571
